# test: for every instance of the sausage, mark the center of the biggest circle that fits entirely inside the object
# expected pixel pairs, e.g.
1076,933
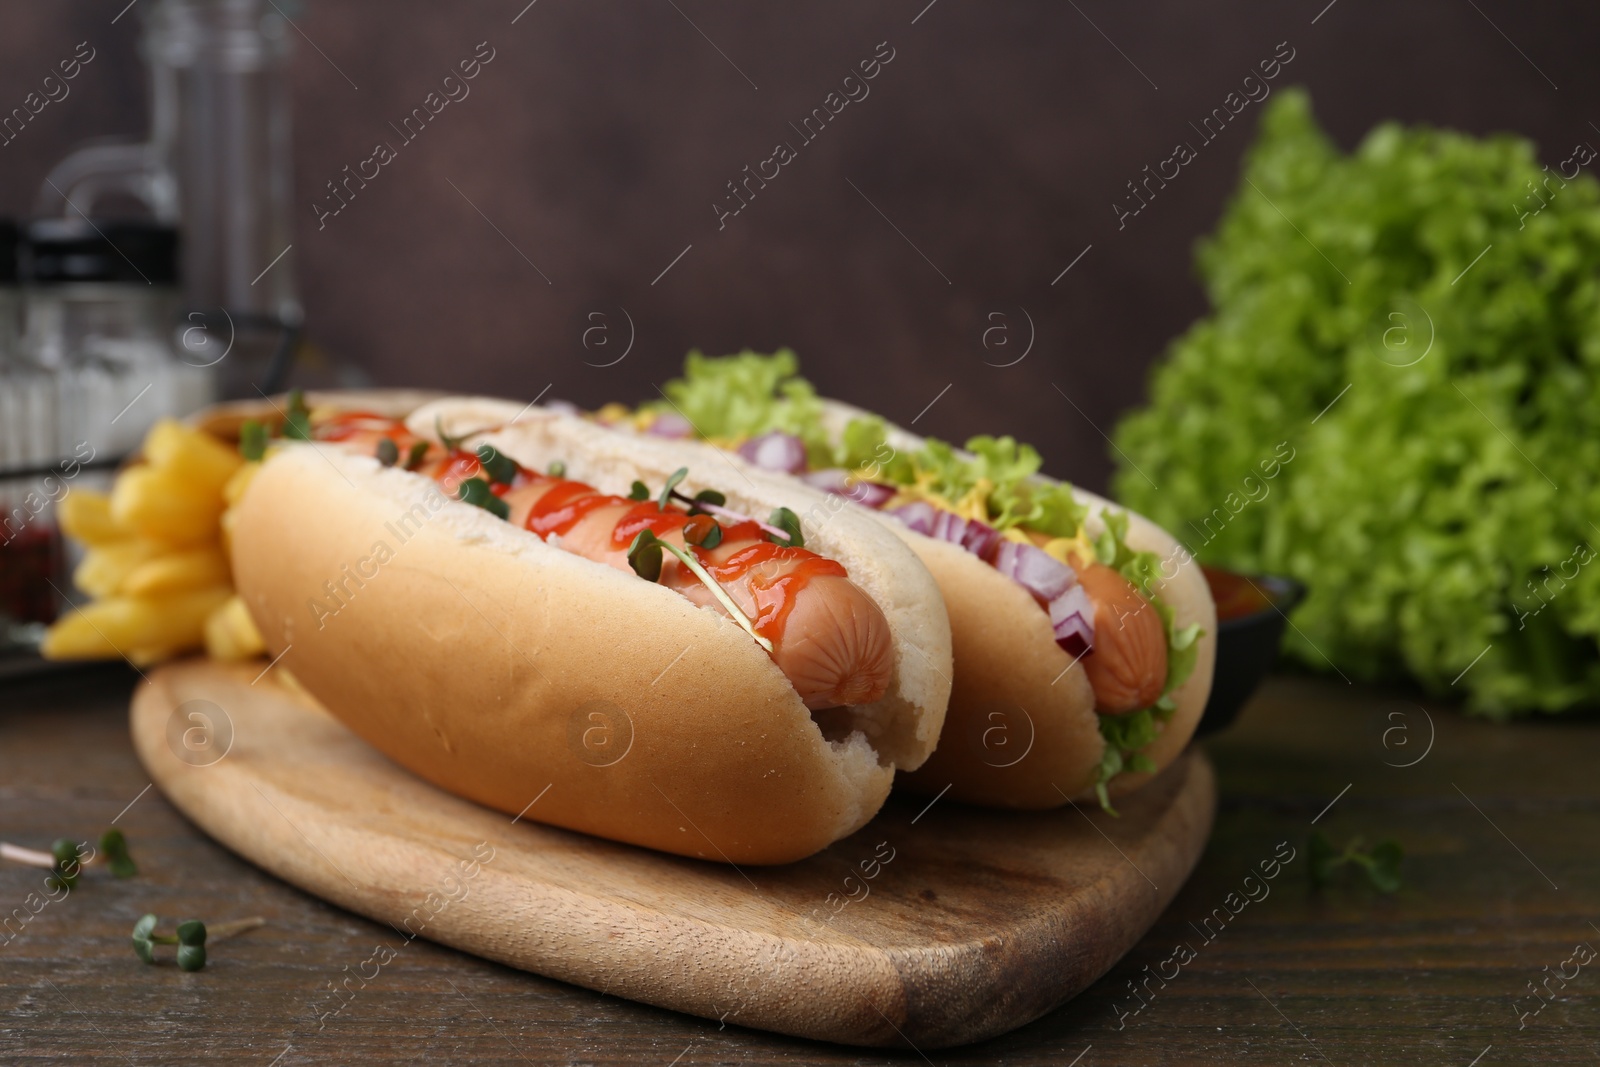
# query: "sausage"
1127,667
829,638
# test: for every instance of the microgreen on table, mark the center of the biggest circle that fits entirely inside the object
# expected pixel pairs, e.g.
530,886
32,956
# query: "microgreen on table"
114,847
67,863
1381,863
190,937
65,860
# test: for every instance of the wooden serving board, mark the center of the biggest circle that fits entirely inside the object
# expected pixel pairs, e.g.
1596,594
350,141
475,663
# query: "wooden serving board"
935,925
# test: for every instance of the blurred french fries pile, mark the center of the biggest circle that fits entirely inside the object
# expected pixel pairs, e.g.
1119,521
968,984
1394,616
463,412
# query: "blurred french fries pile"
156,564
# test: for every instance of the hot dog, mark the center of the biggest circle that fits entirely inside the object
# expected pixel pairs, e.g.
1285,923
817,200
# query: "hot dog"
1083,635
480,601
829,638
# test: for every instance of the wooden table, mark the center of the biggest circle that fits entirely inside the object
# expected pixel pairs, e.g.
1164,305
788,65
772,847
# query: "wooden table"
1501,827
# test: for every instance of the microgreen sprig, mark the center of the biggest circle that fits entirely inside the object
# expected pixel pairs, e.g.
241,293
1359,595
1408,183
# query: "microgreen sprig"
644,556
252,439
68,864
414,458
711,502
500,468
1381,863
672,483
703,531
450,443
65,860
705,500
297,423
477,492
114,847
789,523
190,937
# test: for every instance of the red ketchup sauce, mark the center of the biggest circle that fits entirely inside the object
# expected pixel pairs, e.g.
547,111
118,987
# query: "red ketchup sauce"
774,594
649,516
1236,596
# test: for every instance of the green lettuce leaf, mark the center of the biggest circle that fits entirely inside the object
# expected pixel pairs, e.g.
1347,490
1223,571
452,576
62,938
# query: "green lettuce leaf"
1401,372
745,395
864,448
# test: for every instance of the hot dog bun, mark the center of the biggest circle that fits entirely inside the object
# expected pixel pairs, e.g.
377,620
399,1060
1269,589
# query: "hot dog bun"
1021,730
512,672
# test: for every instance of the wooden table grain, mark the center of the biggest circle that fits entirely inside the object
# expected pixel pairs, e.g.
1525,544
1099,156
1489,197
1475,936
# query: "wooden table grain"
1501,827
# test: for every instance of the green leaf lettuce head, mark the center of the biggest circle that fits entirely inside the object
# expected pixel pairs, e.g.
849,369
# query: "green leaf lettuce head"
1417,340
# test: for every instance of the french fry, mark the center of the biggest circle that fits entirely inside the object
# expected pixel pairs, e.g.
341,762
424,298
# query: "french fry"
158,502
86,516
106,567
231,633
123,624
193,456
74,637
189,568
154,565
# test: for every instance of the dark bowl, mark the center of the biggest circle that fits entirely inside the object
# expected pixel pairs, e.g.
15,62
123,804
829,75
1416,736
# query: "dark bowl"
1247,644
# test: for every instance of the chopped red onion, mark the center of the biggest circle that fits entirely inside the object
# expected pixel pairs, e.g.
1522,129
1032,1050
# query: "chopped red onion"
919,515
1072,618
829,480
565,407
776,451
670,424
837,480
1034,569
871,494
979,538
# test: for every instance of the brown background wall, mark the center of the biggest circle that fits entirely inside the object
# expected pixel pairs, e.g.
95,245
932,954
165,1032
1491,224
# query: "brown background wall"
996,140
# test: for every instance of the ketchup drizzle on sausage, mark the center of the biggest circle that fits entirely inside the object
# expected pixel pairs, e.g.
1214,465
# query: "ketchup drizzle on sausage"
774,594
649,516
563,506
